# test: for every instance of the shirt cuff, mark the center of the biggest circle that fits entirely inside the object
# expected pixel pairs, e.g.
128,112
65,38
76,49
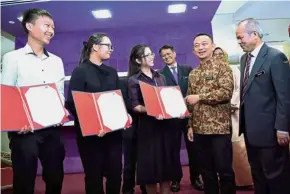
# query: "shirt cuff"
283,132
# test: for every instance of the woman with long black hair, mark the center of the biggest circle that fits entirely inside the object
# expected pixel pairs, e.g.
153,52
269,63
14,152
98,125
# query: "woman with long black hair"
155,136
101,155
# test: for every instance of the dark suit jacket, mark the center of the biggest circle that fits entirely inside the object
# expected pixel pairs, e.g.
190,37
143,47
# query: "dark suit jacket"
266,105
183,72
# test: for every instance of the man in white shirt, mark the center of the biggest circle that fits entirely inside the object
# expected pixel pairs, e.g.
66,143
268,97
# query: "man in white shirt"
264,109
33,65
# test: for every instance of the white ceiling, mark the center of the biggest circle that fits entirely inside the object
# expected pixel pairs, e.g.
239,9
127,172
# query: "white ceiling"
274,18
230,7
263,10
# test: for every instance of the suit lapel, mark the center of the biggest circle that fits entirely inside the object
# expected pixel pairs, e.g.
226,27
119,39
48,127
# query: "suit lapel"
168,73
258,64
242,66
179,72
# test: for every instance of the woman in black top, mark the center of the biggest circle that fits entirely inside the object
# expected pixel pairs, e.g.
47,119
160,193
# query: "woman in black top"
156,137
101,155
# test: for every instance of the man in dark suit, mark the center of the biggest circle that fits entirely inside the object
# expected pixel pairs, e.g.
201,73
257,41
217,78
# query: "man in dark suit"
264,111
177,74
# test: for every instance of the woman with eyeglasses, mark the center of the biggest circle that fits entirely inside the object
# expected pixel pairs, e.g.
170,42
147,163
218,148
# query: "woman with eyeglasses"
155,136
101,155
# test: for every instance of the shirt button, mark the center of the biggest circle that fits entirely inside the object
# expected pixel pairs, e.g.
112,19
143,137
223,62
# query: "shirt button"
42,70
43,81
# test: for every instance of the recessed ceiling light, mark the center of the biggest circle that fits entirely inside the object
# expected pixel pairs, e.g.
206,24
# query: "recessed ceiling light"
101,14
176,8
20,18
11,22
195,7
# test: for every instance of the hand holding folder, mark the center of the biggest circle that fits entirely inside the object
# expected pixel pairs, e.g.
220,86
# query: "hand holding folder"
31,107
100,113
164,101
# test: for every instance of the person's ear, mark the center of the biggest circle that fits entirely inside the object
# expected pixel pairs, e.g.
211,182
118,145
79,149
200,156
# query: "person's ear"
29,26
174,54
138,61
96,47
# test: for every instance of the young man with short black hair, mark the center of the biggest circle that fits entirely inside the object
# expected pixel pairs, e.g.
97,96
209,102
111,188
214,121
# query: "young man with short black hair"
28,66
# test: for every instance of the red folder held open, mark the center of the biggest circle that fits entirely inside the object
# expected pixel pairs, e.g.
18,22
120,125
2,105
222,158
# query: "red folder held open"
36,107
101,111
166,101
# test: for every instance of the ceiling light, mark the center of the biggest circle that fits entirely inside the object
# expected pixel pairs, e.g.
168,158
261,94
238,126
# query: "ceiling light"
20,18
176,8
11,22
195,7
101,14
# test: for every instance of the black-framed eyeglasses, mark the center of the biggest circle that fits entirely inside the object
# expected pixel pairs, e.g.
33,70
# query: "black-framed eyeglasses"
148,55
110,47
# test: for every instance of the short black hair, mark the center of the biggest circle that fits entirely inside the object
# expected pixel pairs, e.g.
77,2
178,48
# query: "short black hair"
30,15
167,46
203,34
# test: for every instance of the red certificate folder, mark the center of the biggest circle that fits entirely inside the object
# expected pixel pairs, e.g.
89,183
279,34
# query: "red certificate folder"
6,178
166,101
101,111
36,107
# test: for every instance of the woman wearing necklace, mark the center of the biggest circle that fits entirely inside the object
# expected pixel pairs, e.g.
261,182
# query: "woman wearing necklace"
155,136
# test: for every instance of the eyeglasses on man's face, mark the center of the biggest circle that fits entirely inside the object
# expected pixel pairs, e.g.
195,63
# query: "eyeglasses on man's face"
148,55
110,46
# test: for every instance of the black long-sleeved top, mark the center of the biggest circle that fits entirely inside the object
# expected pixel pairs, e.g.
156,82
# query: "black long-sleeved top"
89,77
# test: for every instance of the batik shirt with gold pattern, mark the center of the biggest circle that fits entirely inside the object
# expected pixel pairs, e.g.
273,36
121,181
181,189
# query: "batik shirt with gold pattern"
213,82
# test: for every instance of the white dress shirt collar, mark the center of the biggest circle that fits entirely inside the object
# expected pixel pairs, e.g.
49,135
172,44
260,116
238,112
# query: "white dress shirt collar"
256,51
29,50
174,65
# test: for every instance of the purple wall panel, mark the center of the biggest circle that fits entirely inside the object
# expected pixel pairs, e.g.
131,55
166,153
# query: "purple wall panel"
68,45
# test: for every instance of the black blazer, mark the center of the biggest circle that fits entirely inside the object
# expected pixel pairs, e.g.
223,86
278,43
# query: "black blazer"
266,105
183,73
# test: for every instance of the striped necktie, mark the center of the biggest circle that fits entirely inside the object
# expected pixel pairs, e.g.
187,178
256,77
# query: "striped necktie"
174,72
246,75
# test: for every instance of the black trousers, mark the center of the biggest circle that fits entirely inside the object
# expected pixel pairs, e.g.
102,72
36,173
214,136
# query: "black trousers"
129,171
45,144
215,154
194,166
270,169
101,157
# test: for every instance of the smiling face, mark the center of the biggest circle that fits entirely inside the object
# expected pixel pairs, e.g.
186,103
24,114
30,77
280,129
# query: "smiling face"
147,60
41,29
203,47
218,53
248,40
104,49
168,56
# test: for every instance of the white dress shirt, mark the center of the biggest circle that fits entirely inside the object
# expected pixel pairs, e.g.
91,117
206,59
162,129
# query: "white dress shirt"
22,67
254,57
170,67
